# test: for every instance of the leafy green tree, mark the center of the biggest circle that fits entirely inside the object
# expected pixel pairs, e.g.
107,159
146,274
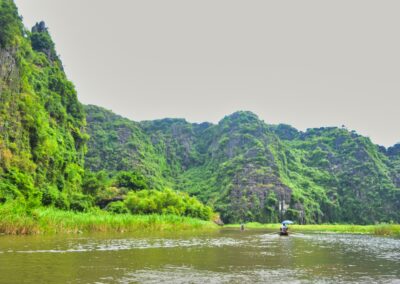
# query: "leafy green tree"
117,207
93,183
80,202
10,23
166,202
130,180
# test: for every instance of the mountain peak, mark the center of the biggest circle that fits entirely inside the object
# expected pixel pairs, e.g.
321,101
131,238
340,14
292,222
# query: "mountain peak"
42,41
240,117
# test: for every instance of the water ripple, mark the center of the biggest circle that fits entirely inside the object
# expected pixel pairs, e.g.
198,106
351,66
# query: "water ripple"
128,244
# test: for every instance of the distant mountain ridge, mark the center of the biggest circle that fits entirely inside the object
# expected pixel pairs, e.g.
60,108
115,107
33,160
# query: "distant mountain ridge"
251,171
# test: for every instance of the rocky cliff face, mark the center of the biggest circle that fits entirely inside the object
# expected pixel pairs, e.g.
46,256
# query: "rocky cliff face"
355,172
394,155
251,171
246,169
42,139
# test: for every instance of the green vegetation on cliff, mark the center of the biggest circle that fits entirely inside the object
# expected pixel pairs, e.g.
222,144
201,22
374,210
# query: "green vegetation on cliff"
354,173
56,153
42,137
250,171
43,140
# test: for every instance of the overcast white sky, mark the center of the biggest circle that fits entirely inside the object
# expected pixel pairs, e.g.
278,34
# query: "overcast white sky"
305,63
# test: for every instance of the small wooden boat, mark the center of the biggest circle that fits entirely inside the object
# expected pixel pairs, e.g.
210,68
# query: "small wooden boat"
284,230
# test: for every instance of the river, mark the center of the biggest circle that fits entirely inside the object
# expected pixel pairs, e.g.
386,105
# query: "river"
225,256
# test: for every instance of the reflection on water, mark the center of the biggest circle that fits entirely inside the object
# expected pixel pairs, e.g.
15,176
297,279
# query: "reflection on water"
227,256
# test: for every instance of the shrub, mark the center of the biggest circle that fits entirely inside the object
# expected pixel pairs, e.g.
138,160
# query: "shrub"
62,202
50,195
93,183
8,191
80,202
166,202
117,207
20,180
34,201
130,180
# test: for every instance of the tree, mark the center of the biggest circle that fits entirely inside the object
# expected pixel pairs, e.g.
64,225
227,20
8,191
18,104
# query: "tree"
42,42
130,180
10,23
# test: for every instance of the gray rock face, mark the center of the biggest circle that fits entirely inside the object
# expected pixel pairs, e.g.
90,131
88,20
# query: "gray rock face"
251,171
9,73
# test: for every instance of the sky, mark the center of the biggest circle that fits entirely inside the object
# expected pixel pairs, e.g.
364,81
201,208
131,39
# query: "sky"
304,63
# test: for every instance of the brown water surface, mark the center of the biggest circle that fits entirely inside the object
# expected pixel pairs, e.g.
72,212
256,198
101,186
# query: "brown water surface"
226,256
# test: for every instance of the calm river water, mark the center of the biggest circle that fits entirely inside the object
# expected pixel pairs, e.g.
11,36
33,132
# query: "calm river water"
226,256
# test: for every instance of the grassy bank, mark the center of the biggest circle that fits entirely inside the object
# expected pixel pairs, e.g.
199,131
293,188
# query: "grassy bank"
381,229
53,221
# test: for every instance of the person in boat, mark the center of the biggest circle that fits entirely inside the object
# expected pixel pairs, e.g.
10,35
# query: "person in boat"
284,228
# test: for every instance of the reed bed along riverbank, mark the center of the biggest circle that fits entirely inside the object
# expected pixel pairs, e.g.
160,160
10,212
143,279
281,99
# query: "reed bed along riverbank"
53,221
380,229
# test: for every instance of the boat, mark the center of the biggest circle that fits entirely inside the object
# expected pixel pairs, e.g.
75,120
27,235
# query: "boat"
284,229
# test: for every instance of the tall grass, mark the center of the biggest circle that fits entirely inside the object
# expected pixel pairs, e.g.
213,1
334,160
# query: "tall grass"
50,220
380,229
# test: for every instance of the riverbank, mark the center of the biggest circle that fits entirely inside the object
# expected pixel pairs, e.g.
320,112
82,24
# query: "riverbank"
54,221
380,229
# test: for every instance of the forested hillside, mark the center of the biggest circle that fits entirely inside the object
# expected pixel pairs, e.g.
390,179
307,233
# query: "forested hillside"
251,171
42,123
43,140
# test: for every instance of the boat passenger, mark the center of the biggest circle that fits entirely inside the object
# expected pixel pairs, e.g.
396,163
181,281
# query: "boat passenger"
284,229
